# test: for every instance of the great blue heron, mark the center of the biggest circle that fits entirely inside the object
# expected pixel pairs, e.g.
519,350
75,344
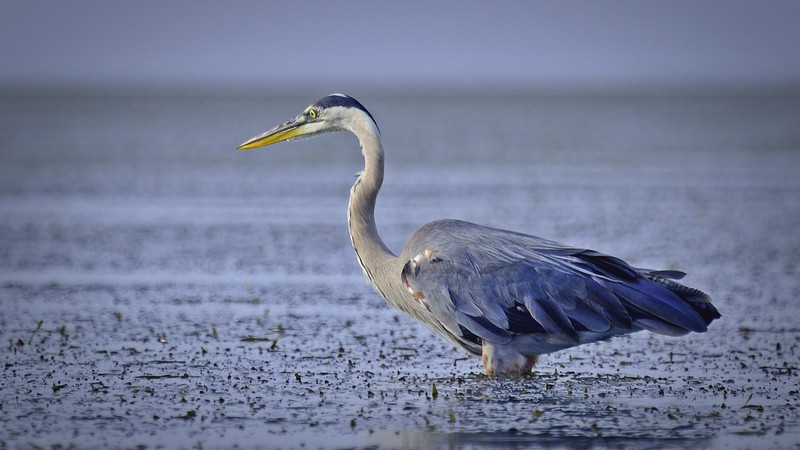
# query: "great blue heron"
506,296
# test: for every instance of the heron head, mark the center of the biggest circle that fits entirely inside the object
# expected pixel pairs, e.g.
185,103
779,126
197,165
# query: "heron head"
336,112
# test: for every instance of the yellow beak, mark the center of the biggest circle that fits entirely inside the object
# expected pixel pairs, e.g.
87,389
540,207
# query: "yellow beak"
283,132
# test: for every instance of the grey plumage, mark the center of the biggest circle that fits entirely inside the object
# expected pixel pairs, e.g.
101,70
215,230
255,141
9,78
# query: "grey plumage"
497,285
506,296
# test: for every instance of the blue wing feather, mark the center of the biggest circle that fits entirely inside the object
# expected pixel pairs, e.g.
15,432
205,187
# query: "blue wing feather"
484,283
549,314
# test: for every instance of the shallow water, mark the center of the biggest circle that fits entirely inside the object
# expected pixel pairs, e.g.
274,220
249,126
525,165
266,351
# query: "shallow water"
159,289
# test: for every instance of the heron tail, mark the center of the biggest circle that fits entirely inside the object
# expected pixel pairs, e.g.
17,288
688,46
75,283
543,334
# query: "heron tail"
698,300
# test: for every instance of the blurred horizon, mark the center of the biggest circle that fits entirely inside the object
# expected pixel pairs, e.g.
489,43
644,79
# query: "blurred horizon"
244,47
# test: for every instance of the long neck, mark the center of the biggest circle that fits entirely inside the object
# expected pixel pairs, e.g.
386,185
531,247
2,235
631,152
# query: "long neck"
373,255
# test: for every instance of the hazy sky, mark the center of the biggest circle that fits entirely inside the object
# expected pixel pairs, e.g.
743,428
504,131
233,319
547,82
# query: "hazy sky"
474,44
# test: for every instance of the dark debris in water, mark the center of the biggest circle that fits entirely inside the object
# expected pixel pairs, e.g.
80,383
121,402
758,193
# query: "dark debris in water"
152,298
353,380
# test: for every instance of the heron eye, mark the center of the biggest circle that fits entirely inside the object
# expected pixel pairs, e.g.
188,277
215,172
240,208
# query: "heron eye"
312,113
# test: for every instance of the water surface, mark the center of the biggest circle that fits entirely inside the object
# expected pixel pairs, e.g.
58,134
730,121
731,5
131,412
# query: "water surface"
159,289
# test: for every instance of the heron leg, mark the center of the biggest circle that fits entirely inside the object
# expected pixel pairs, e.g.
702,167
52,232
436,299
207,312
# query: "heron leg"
504,359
